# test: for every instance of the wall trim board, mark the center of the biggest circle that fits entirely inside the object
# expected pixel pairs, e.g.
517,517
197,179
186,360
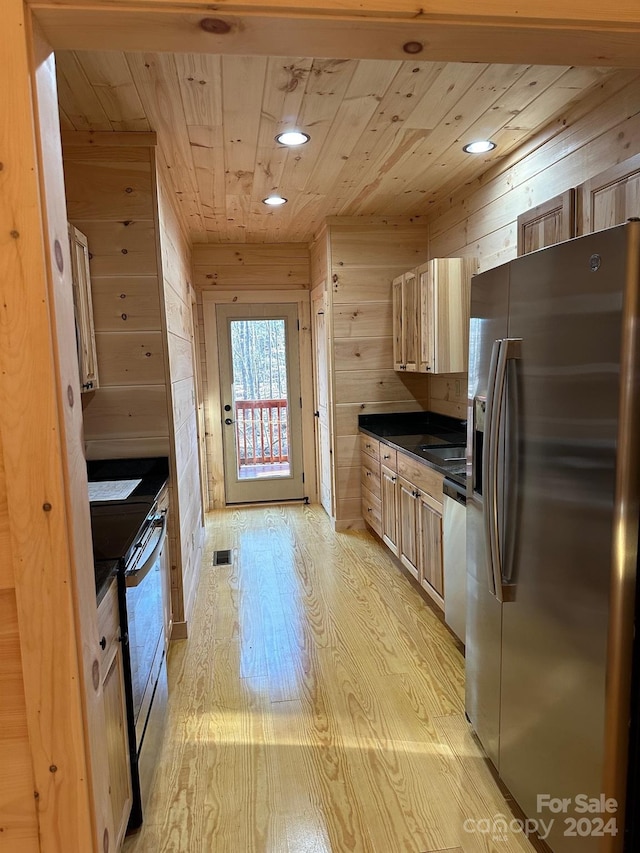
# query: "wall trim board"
210,299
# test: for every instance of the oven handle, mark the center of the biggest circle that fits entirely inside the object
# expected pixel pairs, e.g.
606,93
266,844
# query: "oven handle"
134,577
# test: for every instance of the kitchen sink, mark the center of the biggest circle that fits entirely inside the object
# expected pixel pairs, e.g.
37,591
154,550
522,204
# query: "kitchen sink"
453,452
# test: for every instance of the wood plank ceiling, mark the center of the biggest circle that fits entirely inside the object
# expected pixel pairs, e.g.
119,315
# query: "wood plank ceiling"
386,137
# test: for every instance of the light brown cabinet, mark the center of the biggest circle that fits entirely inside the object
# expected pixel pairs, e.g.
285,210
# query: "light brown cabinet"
112,682
430,539
370,483
389,500
445,303
83,307
409,512
420,545
547,224
610,198
402,503
431,316
406,325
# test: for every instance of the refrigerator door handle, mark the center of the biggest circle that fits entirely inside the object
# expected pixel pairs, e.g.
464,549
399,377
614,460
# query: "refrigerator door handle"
489,469
509,350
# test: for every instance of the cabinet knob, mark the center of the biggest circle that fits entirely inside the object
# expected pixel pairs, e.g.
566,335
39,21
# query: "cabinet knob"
368,473
103,643
369,509
393,479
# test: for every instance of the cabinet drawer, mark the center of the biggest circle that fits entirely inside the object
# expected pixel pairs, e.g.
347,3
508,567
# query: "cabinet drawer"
371,474
422,476
370,446
372,510
388,457
109,619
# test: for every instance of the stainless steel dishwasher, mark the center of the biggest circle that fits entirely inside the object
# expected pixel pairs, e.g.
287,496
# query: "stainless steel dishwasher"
454,536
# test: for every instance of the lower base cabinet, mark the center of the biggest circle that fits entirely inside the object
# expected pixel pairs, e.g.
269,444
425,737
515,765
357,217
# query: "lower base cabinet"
115,715
389,508
403,505
409,511
430,538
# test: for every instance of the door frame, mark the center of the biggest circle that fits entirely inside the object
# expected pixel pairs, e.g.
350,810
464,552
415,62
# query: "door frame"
210,299
320,292
274,488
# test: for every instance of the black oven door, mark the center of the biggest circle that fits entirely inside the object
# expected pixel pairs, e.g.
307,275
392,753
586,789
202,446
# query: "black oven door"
143,586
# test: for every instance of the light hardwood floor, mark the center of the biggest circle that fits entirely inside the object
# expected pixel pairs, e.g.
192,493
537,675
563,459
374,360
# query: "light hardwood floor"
317,706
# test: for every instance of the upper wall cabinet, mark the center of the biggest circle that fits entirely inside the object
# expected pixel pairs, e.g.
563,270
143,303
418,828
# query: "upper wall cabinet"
548,223
610,198
406,326
444,285
86,338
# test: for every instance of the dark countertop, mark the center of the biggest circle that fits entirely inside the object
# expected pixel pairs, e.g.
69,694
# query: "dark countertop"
115,524
419,434
154,473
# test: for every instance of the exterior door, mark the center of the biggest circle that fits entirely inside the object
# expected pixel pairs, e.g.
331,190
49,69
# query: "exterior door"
321,382
261,402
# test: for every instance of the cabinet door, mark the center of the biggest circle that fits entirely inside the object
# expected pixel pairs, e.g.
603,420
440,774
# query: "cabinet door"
548,223
117,743
430,541
389,482
450,283
610,198
426,309
83,304
396,290
410,321
408,511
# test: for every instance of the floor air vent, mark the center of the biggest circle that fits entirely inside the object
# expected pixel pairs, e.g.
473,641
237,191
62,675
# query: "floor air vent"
221,558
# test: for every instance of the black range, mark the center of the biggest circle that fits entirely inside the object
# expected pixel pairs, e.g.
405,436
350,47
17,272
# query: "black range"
115,524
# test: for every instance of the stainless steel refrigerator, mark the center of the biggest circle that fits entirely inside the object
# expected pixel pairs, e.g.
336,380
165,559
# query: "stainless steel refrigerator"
552,514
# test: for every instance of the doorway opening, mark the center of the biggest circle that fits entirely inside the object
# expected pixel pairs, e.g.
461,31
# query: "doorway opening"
261,402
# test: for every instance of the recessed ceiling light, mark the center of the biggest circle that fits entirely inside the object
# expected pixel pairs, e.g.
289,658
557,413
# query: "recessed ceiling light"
292,137
274,200
479,147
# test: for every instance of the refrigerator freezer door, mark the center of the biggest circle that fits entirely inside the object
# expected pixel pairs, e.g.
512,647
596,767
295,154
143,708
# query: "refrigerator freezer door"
565,304
489,310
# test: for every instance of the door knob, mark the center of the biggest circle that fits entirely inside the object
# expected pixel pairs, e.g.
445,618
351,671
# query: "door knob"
228,421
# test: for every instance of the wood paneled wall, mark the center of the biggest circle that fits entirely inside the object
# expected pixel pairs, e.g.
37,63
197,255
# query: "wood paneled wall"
481,219
366,253
247,266
111,199
140,263
188,535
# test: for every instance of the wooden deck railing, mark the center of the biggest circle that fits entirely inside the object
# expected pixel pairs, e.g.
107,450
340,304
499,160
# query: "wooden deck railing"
261,431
